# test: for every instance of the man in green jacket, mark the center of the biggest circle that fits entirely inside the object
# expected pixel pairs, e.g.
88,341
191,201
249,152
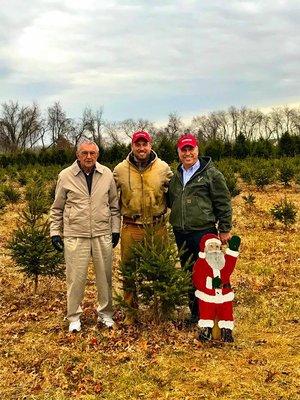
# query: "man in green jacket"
200,203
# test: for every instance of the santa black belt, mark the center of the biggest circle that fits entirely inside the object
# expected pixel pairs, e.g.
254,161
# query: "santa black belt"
226,286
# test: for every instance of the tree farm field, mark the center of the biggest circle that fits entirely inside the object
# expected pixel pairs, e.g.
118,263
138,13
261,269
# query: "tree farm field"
41,360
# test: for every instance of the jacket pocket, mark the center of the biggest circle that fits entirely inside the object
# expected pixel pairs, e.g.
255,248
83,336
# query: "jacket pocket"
198,212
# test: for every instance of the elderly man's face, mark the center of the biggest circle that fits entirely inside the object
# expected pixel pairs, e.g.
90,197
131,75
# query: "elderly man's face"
87,155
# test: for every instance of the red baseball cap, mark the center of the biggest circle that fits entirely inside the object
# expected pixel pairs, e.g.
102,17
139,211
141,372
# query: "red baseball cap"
187,140
141,135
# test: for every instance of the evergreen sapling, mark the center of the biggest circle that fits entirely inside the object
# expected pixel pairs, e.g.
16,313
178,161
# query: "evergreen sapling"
30,245
154,275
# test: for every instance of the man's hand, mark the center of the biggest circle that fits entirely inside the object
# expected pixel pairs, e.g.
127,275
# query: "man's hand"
115,239
224,237
57,243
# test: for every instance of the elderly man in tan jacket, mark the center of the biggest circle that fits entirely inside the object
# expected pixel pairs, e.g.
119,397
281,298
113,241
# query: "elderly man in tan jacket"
86,213
142,180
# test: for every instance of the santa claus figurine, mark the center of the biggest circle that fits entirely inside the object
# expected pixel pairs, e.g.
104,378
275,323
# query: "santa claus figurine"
211,278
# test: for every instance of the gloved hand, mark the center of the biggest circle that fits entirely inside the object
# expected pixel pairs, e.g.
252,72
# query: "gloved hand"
115,238
216,282
234,243
57,243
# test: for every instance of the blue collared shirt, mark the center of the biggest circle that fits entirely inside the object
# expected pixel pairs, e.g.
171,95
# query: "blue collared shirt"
188,173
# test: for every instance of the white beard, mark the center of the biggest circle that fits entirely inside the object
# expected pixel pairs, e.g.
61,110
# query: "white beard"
215,259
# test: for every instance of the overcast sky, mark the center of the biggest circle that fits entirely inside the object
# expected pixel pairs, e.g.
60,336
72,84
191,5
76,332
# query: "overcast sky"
145,59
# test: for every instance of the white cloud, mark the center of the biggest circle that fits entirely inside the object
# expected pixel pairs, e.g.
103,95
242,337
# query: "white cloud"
183,55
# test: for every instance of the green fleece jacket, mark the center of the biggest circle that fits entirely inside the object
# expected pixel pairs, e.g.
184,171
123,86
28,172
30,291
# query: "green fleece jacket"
203,203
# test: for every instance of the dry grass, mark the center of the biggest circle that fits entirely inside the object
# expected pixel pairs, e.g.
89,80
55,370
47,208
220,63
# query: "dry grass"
40,360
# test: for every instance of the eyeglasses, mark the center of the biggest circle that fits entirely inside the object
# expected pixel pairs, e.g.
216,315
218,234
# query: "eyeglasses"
86,153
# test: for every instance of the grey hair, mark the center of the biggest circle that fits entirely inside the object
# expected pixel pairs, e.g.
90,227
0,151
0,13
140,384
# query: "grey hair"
87,141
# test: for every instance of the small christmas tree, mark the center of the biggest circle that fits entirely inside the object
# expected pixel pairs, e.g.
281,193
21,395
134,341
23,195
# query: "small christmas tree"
285,211
156,279
287,173
30,245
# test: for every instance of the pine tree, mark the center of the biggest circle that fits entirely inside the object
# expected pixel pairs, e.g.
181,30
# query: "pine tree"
155,276
30,245
285,211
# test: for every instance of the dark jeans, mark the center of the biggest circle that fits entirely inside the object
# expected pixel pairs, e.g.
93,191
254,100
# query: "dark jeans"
189,243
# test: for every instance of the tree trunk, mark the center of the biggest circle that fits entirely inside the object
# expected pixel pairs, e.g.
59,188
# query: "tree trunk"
36,281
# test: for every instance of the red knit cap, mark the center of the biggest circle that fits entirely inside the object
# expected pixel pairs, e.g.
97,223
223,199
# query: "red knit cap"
208,238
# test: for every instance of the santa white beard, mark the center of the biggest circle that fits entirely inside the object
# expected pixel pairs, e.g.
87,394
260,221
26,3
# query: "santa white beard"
215,259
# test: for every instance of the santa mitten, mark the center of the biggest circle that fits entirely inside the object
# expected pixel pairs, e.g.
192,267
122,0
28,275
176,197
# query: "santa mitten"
234,243
216,282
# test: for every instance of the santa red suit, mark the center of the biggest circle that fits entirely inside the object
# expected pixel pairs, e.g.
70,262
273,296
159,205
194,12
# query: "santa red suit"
214,303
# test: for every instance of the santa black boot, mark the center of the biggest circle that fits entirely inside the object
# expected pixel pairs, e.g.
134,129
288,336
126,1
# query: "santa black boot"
226,335
205,334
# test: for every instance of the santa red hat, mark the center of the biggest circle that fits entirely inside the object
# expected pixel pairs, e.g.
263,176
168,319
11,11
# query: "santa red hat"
208,238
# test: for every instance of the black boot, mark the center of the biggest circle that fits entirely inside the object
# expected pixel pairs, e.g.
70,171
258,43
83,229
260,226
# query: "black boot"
226,335
205,334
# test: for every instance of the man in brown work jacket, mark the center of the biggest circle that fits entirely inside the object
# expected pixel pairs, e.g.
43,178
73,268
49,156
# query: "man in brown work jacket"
142,180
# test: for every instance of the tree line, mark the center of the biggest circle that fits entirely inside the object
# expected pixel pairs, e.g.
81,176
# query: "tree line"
51,136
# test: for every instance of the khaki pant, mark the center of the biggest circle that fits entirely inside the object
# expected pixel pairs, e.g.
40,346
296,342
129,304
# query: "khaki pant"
78,252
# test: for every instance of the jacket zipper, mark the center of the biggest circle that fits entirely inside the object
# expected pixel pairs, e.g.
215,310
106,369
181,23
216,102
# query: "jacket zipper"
182,213
90,201
142,203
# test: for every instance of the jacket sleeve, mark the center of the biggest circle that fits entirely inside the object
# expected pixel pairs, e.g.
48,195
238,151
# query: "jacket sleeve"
116,176
221,200
168,175
57,209
114,207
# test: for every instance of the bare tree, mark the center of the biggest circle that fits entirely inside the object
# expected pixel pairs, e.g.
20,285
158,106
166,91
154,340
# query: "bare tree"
58,125
223,125
20,127
234,116
291,120
129,126
249,122
174,127
117,132
295,121
199,126
212,126
112,133
91,125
